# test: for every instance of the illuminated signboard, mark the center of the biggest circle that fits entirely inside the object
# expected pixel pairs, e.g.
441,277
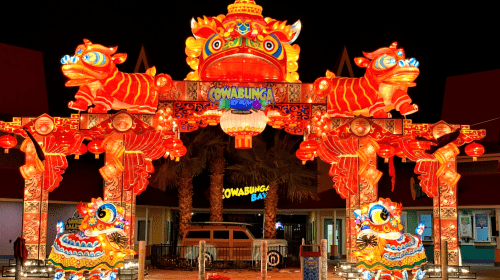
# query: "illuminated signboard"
241,98
73,223
256,193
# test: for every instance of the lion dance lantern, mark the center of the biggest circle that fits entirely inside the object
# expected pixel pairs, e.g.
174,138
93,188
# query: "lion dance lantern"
383,87
93,69
382,247
243,46
99,246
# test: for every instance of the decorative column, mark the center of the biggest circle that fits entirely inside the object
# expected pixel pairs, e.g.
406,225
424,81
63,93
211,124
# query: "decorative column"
35,203
445,204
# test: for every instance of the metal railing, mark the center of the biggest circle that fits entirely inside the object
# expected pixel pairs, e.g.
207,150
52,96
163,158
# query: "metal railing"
173,257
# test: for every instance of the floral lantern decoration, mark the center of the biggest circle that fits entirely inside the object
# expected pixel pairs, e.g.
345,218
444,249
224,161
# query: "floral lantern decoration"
81,150
474,150
386,151
212,117
243,126
96,148
8,142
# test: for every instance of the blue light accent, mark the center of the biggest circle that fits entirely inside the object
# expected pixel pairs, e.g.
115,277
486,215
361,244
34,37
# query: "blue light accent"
278,52
401,63
365,227
400,53
79,51
207,44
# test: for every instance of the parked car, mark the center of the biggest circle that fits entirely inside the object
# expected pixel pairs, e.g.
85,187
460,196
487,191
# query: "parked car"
230,243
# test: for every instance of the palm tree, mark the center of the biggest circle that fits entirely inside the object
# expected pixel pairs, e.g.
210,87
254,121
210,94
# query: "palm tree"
277,166
212,152
180,174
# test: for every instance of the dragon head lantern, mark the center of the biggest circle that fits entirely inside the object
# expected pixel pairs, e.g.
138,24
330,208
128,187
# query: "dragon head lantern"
383,247
98,247
243,46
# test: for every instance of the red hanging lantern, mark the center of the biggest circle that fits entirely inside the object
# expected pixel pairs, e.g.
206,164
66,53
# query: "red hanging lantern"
309,145
8,142
304,155
171,143
179,151
474,150
399,152
81,150
386,151
96,148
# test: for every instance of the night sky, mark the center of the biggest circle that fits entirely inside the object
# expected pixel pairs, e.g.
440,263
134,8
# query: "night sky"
446,40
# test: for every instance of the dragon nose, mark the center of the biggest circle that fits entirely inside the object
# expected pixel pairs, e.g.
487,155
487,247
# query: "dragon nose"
365,227
413,62
69,59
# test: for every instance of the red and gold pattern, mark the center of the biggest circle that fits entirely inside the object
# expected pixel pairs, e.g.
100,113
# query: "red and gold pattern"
93,69
95,246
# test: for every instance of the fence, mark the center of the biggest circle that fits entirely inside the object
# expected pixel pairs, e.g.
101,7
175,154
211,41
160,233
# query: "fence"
171,257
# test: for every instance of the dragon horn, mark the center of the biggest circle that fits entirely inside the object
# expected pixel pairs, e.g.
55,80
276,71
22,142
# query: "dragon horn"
87,42
393,45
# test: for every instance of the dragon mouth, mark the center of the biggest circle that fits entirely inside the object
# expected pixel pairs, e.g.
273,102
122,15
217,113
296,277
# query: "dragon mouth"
117,240
248,66
404,75
79,75
367,240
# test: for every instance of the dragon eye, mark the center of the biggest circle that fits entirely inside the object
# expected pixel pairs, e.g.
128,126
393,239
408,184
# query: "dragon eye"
384,62
95,58
217,44
107,213
79,51
378,214
400,53
269,45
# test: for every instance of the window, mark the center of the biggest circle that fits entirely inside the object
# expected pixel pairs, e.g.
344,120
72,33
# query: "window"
199,234
140,231
240,235
427,220
221,234
482,227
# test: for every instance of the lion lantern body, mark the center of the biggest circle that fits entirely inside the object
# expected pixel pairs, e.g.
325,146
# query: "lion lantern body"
383,248
93,69
98,247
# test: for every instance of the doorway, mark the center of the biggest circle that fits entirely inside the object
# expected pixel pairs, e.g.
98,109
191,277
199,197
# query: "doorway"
328,235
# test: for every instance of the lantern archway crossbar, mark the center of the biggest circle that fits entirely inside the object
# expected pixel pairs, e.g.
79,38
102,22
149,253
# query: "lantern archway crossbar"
244,77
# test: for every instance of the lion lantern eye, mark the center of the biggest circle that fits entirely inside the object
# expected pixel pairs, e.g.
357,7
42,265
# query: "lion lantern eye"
269,45
217,44
384,62
107,213
95,58
378,214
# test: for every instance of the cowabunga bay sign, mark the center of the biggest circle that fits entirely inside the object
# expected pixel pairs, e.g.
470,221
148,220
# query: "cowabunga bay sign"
256,193
241,98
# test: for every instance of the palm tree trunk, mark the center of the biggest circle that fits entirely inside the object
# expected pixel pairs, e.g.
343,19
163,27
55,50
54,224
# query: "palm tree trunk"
216,184
185,201
270,209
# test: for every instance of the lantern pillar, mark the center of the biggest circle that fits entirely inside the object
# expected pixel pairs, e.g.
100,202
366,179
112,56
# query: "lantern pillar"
115,193
445,219
35,205
366,193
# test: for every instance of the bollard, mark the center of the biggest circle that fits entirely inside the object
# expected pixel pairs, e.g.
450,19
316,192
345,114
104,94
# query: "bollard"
263,260
444,259
201,261
142,259
323,271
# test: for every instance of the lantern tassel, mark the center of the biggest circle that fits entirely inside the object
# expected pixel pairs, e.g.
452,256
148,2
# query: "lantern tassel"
96,156
77,156
474,158
392,172
6,151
